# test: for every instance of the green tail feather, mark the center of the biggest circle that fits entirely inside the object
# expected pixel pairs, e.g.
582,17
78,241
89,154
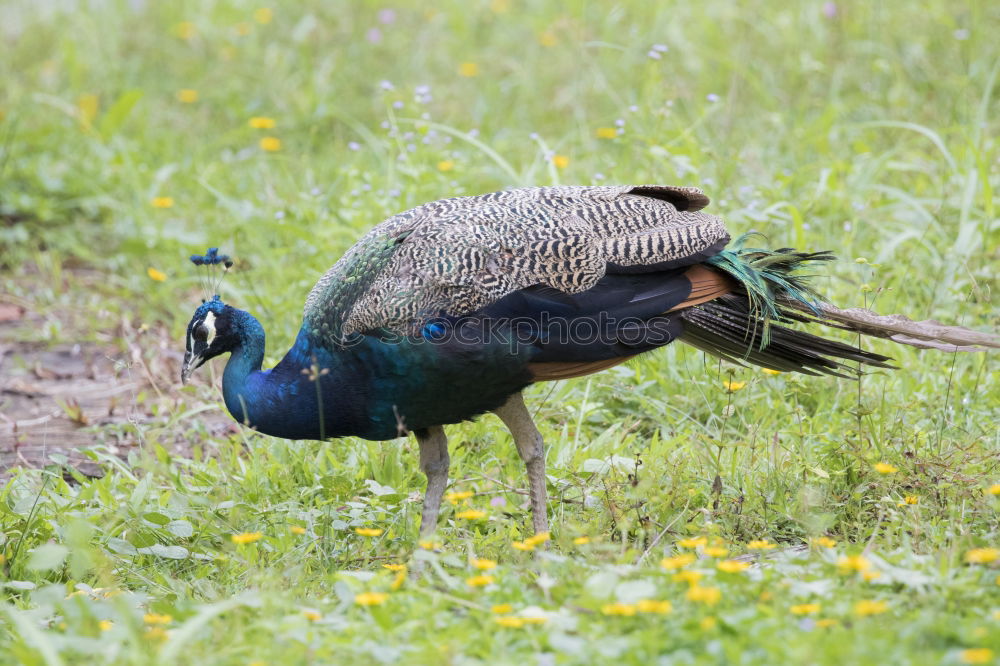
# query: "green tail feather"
768,277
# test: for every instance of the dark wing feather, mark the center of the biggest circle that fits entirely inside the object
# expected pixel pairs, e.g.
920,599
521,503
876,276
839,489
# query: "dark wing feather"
620,316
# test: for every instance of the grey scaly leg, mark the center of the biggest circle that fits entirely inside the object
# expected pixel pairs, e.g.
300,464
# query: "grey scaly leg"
528,440
434,463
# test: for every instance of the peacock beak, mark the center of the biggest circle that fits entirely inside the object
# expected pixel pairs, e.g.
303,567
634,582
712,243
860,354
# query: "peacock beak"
191,362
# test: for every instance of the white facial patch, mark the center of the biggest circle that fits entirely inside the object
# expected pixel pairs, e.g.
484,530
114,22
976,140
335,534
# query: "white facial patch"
209,325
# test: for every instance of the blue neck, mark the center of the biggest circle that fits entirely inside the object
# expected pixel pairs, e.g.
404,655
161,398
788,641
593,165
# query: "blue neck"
240,380
375,389
305,396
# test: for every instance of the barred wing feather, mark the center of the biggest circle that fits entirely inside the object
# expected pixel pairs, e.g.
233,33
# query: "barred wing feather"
457,256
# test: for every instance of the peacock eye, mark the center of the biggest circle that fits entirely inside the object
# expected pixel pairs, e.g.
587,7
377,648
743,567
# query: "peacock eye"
200,333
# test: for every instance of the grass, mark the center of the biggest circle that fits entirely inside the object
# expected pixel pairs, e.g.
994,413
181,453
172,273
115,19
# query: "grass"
864,128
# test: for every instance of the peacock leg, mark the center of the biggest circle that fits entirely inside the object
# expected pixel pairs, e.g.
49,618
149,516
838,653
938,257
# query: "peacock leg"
434,463
528,440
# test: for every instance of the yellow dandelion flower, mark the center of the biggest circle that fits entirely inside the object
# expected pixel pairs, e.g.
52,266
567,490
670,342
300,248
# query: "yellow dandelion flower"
270,144
870,607
826,623
618,608
538,539
548,39
869,576
654,606
471,514
996,615
483,564
677,561
521,545
261,122
263,15
732,386
394,567
156,618
560,161
445,165
105,625
534,619
994,489
706,595
368,531
715,551
733,566
761,544
885,468
185,30
976,656
823,542
371,598
157,275
312,616
581,541
804,609
246,537
455,498
427,544
510,621
297,529
851,563
689,577
162,202
500,6
87,105
479,581
500,609
982,555
693,542
708,623
606,133
187,95
156,634
911,499
769,371
468,69
398,581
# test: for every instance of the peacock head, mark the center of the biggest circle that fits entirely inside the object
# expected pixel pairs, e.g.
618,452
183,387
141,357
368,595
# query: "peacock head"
212,331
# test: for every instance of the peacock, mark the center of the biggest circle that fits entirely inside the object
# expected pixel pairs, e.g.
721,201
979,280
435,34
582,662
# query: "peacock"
449,310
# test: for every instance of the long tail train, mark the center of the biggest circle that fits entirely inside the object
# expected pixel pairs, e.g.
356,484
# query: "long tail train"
745,326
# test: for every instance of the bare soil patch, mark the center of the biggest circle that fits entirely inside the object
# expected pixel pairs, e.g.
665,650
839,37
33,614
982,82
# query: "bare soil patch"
57,400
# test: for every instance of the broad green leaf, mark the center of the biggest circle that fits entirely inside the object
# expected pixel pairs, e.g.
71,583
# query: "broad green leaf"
47,557
180,528
169,552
